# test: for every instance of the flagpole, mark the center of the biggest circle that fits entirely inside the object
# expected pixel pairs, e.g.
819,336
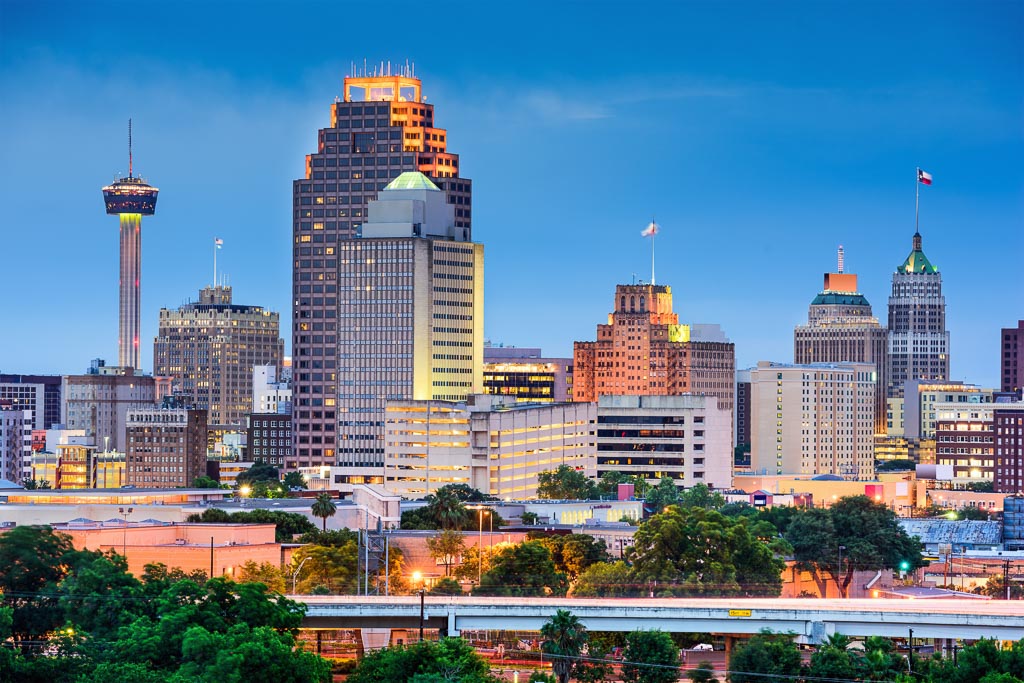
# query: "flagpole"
653,236
917,201
215,262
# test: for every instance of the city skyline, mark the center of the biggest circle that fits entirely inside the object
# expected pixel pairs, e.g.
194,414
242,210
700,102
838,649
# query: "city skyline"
756,162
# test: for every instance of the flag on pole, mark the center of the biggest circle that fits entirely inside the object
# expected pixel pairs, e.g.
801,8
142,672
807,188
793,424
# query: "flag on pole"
218,242
650,231
924,177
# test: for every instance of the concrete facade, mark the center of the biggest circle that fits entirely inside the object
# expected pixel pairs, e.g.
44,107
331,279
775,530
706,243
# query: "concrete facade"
166,447
99,404
526,375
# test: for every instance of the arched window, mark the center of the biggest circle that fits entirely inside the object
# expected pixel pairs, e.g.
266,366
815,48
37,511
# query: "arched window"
622,304
643,304
632,304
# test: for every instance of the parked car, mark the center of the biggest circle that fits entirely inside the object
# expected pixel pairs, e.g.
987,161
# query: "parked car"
703,647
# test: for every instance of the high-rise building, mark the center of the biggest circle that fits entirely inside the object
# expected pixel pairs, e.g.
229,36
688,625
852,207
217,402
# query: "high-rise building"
15,442
742,417
381,128
841,329
269,438
1011,368
813,419
271,392
965,440
918,338
98,403
921,401
166,447
526,375
209,348
1008,423
130,199
410,302
684,438
38,393
492,443
644,351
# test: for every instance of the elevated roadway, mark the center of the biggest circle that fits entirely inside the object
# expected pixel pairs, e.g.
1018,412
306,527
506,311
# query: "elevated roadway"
813,620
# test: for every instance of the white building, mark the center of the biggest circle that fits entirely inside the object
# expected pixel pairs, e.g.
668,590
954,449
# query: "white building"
98,403
490,443
686,438
813,419
15,444
271,393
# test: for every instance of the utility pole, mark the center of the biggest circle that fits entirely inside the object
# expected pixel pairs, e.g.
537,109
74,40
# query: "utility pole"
1006,577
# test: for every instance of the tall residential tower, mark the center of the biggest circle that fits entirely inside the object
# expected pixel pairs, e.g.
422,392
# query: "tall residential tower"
130,199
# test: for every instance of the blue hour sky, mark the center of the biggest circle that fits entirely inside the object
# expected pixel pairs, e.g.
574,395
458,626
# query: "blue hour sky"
760,135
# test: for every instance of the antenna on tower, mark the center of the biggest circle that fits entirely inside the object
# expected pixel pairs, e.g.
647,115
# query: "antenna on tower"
840,258
129,148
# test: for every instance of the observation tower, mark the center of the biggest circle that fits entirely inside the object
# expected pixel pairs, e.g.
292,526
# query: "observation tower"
130,199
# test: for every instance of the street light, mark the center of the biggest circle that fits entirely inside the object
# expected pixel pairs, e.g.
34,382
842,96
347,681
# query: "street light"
124,540
480,543
422,599
295,576
838,584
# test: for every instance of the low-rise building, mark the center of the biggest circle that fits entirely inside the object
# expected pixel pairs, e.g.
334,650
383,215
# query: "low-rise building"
166,447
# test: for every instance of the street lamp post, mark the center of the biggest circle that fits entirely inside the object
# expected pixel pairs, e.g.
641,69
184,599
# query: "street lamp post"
295,576
124,539
838,583
480,543
422,599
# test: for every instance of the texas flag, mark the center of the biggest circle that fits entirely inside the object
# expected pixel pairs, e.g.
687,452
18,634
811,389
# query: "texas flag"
650,231
218,242
924,177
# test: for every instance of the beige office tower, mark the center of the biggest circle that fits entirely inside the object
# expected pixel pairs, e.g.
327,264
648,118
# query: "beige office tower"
209,348
410,321
98,402
813,419
841,329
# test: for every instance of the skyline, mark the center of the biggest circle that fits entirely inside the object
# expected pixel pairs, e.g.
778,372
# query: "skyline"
682,128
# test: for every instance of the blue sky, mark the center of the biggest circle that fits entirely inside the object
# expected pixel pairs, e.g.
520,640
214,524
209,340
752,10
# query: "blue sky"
761,136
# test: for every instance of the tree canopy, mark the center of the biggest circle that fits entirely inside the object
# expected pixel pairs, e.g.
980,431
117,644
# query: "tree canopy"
650,657
449,659
565,483
524,569
288,524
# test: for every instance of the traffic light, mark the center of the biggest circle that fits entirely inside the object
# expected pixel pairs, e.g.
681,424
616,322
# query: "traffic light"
904,566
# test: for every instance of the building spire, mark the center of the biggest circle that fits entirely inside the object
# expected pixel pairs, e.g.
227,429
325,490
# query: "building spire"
917,241
129,148
840,258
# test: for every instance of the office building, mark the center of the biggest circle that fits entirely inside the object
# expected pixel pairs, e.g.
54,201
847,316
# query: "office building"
841,329
271,391
15,442
38,393
526,375
921,401
492,443
98,403
381,127
1008,423
918,338
269,438
965,440
1011,367
209,348
813,419
166,447
742,419
685,438
130,199
644,351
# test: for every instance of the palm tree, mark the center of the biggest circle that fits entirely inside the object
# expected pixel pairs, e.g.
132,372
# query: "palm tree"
564,637
448,510
324,507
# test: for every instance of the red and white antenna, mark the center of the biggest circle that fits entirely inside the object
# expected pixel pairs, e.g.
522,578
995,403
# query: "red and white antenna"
840,258
129,148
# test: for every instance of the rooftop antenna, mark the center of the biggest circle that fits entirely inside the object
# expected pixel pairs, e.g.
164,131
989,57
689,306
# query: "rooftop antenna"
840,258
129,148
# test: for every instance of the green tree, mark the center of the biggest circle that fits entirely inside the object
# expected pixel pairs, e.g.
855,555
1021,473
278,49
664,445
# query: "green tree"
650,657
288,524
475,563
996,587
94,593
605,580
700,496
895,466
661,496
446,586
565,483
529,518
266,573
449,659
294,480
573,553
328,566
833,660
765,653
524,569
324,507
608,485
448,510
869,533
333,537
446,548
564,639
258,472
704,672
205,482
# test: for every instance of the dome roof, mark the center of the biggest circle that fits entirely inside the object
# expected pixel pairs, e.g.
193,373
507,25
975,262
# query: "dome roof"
412,180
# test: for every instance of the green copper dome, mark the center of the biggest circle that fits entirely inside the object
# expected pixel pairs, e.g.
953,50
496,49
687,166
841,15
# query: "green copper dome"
917,262
840,299
412,180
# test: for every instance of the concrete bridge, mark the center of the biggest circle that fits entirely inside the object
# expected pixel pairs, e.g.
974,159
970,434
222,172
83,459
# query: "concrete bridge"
810,619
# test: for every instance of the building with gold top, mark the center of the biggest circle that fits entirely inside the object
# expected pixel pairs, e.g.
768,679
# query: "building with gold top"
644,351
381,127
841,329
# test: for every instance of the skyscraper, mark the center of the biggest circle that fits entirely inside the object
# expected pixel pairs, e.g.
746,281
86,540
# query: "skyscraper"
382,127
918,338
209,349
130,199
840,329
1011,367
410,302
644,351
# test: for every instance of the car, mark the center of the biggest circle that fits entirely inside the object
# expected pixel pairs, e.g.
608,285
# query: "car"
703,647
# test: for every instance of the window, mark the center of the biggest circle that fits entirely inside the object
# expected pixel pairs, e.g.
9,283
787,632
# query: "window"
362,143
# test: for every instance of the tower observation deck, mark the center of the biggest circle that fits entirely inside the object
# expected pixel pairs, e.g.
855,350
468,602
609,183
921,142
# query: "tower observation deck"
130,199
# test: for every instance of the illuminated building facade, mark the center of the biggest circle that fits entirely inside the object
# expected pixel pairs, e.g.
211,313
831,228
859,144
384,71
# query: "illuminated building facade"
79,466
38,393
129,199
841,329
921,402
813,419
918,338
209,349
15,442
1011,359
1008,422
166,447
381,128
491,443
98,403
410,306
644,351
525,375
965,439
684,438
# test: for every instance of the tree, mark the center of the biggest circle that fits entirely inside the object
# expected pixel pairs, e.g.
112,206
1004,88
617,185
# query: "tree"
650,657
564,639
833,660
446,548
242,653
529,518
288,524
449,659
324,507
700,496
447,509
765,653
565,483
869,533
573,553
294,480
605,580
328,566
476,561
996,587
704,672
524,569
445,586
608,486
661,496
895,466
266,573
205,482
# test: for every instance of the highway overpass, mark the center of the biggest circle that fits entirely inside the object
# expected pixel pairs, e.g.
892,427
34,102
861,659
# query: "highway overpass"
812,619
